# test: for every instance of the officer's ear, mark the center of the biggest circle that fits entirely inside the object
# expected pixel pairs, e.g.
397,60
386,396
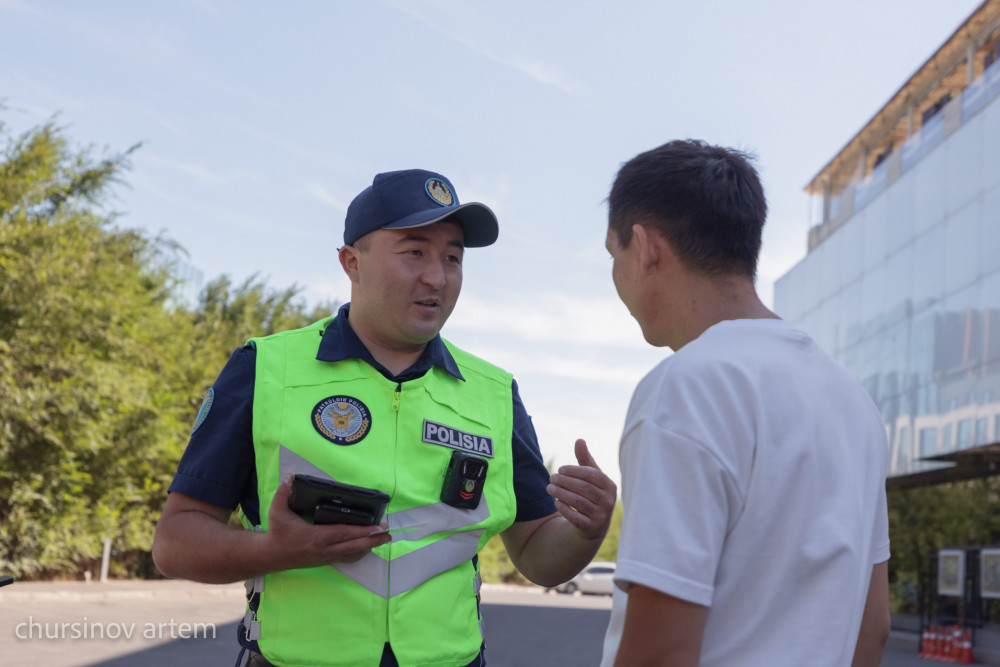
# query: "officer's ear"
349,257
649,249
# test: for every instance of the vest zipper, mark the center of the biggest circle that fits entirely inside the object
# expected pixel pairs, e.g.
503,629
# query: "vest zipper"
388,635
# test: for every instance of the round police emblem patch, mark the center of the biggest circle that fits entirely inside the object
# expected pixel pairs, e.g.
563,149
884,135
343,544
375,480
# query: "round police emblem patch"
343,420
439,191
206,405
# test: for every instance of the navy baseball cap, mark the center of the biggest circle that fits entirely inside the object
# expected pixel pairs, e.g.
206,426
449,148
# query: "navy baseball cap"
415,198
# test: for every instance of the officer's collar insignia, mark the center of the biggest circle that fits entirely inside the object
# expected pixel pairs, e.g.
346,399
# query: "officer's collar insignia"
439,191
206,404
449,436
343,420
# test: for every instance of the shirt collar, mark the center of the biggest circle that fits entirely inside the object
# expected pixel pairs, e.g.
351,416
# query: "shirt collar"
339,342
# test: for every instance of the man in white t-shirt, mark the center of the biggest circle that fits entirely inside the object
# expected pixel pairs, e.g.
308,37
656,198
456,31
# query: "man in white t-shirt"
753,466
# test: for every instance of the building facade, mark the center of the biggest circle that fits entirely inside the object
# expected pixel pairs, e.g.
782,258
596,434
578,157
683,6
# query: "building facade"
901,283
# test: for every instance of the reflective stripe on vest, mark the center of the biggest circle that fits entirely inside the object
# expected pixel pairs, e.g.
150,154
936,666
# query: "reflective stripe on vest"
412,569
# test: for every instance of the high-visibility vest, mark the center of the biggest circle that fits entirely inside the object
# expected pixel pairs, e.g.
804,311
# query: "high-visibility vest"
344,420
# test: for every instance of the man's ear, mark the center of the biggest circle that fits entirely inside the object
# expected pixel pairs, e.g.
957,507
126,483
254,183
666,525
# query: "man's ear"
349,258
648,250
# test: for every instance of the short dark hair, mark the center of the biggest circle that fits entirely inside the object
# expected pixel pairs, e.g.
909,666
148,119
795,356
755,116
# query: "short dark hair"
706,201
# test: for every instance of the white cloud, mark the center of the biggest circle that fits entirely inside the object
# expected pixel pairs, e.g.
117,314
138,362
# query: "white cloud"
319,191
202,175
540,72
328,286
563,318
56,100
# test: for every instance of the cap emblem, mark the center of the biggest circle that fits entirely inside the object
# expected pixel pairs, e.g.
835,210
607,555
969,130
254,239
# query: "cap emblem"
439,191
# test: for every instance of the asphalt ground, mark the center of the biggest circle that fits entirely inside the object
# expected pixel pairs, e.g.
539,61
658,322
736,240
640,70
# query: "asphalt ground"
152,623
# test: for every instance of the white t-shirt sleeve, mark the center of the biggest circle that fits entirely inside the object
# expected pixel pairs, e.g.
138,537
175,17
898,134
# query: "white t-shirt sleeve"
680,502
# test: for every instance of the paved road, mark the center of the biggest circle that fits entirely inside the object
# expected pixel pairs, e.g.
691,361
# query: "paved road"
154,624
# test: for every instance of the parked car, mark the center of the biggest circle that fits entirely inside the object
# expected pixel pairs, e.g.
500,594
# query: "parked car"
597,578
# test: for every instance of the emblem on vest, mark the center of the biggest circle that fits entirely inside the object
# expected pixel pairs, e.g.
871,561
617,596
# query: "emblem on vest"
448,436
343,420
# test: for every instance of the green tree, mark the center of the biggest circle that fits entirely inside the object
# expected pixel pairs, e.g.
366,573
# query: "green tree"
101,371
90,404
496,567
923,520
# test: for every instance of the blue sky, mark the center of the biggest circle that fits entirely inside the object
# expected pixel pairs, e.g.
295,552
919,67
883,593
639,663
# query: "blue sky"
261,121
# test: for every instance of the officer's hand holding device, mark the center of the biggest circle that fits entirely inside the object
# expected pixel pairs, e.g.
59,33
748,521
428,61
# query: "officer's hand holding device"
324,501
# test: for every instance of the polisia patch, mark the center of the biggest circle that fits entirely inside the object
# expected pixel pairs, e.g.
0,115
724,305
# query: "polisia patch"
449,436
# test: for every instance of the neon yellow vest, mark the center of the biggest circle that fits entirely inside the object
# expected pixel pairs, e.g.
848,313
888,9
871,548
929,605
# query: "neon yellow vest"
418,592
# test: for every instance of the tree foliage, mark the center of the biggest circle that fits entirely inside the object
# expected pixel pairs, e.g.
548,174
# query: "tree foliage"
923,520
100,371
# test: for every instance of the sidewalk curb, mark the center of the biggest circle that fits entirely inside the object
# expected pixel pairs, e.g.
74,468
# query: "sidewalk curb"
140,590
163,589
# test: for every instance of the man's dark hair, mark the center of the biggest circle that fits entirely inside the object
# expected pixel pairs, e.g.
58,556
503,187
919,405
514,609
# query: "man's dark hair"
706,201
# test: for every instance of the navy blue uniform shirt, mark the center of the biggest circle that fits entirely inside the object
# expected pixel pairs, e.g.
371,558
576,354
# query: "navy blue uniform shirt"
218,465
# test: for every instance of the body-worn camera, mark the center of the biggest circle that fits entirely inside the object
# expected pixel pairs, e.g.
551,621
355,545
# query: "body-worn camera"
464,481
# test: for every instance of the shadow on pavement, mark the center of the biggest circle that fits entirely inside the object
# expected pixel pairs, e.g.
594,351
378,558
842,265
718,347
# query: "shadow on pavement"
516,636
222,651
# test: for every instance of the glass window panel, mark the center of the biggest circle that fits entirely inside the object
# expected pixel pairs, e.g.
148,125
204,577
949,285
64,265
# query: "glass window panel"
786,294
989,300
989,231
982,430
928,267
963,437
851,359
870,363
875,232
900,198
962,247
824,257
850,312
928,442
991,145
964,300
849,253
903,450
964,151
930,191
829,321
808,283
873,293
894,375
899,278
947,444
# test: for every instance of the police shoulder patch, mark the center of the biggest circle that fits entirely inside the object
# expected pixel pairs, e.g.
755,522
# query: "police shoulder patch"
449,436
343,420
439,191
206,404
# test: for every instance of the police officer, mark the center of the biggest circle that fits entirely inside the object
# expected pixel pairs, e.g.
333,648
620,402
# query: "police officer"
374,397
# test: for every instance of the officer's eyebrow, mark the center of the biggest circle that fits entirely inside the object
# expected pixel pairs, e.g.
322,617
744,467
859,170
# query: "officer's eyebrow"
420,238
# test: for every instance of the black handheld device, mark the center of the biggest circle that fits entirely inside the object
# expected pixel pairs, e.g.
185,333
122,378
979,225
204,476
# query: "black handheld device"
6,580
464,481
324,501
